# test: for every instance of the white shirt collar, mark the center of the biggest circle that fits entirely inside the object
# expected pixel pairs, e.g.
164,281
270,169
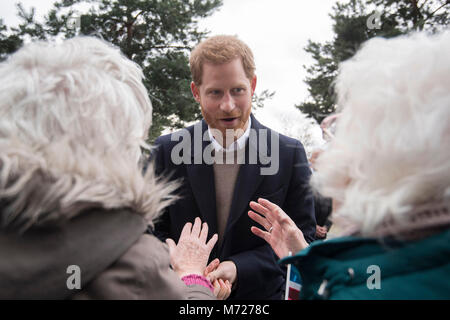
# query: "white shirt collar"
238,144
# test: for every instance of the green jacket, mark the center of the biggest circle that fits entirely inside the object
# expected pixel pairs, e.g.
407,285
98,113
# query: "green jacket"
356,268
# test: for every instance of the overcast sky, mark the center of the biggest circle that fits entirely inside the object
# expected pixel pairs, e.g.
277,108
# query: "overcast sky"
276,31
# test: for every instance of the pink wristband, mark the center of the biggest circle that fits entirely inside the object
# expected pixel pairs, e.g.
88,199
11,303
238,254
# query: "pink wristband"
197,279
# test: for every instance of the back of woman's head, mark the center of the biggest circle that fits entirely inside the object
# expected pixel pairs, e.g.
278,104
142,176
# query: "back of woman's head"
74,115
81,89
392,146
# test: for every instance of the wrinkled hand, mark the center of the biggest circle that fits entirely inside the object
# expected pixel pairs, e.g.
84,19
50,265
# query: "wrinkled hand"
222,288
225,271
285,236
191,254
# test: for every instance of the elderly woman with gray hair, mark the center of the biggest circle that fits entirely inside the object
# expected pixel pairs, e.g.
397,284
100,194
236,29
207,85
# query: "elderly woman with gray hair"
388,172
75,208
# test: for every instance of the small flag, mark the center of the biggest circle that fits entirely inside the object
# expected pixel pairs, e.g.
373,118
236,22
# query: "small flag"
293,282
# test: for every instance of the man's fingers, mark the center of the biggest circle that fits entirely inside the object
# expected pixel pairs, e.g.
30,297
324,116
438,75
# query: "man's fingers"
212,276
220,289
223,289
228,284
220,292
216,274
216,286
211,266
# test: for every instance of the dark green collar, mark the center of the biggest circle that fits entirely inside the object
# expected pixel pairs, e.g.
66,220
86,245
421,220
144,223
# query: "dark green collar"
336,246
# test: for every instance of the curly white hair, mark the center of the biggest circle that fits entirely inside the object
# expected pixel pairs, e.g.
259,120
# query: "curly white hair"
73,116
391,151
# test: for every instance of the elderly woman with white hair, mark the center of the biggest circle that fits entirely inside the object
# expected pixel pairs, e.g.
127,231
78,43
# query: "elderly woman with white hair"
75,208
388,172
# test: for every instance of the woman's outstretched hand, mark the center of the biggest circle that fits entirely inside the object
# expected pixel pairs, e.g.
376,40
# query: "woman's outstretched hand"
280,232
191,254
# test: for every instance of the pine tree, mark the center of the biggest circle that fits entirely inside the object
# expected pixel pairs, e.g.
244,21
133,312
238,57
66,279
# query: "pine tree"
158,35
8,42
354,24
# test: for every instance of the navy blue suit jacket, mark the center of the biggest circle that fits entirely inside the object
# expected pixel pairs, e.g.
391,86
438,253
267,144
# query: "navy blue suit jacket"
258,274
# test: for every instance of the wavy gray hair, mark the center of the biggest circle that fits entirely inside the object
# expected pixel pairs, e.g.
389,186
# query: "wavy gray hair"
73,117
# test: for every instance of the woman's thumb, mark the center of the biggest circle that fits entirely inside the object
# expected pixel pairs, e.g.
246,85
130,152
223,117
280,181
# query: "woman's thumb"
171,245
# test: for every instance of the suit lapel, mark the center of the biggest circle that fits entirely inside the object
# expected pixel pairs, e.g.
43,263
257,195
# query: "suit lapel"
201,178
